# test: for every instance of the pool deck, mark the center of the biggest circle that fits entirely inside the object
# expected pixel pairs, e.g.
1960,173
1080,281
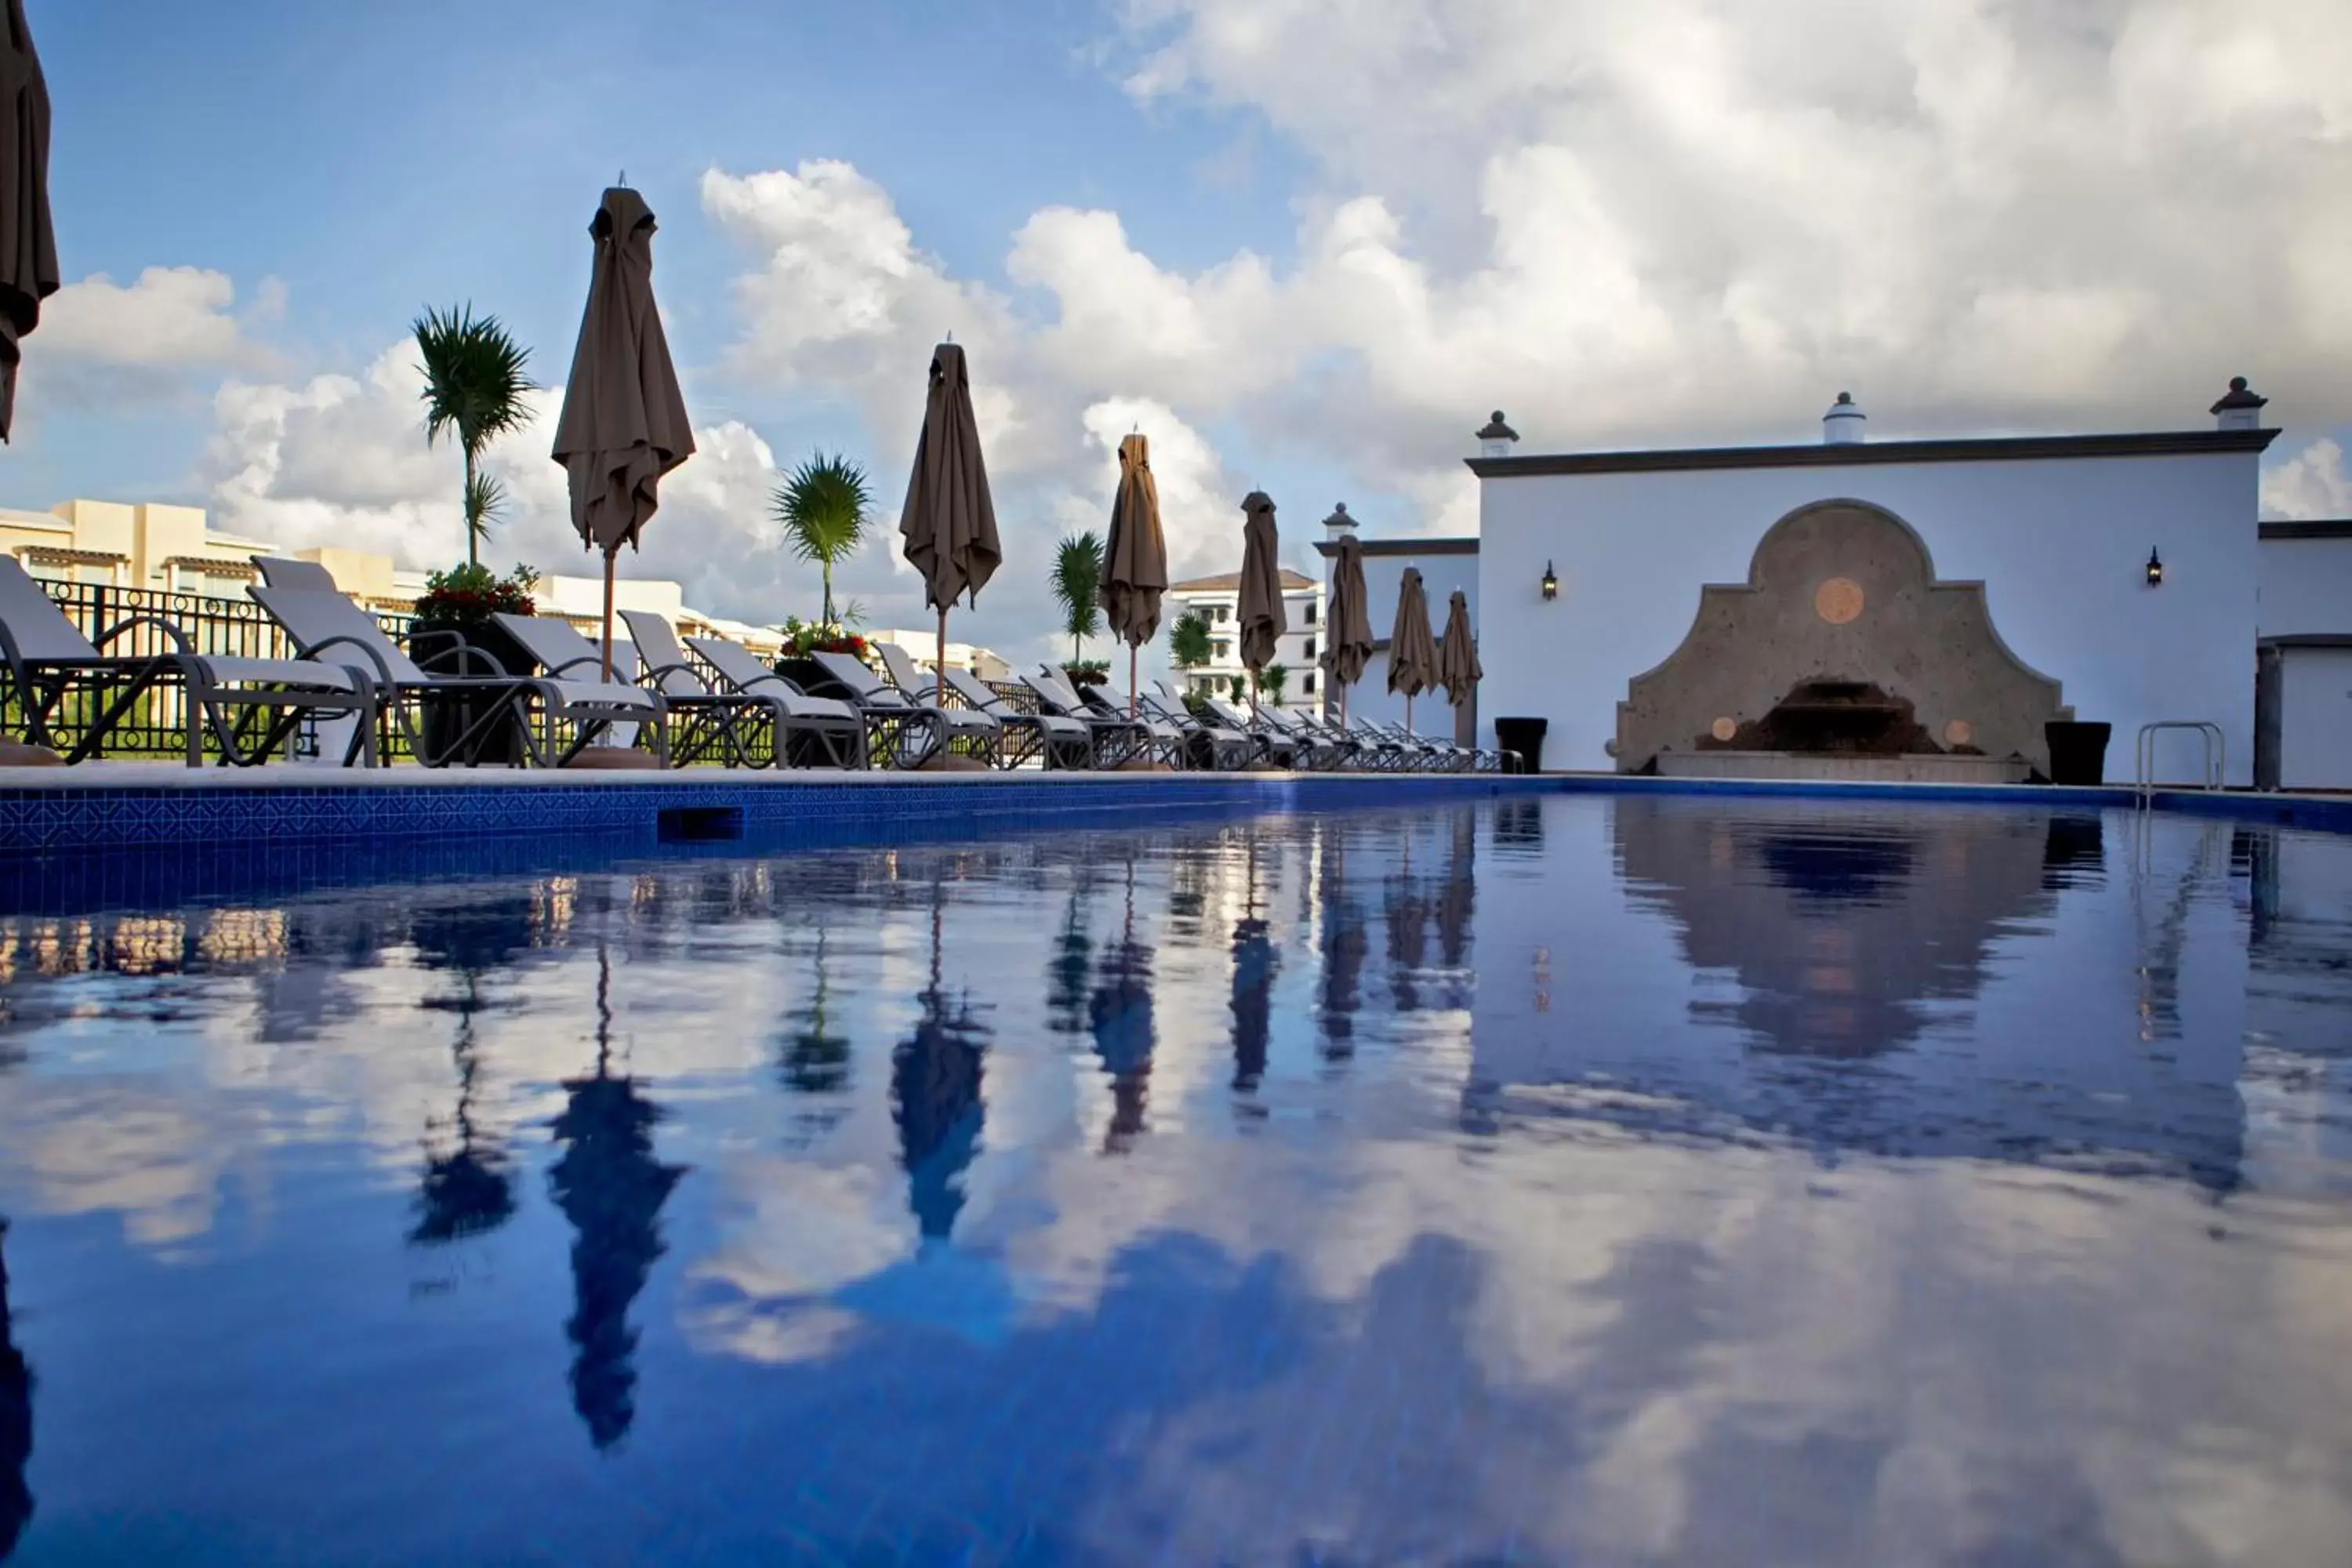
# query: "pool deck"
48,811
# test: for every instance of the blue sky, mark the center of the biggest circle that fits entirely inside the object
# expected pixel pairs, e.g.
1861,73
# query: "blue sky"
1309,246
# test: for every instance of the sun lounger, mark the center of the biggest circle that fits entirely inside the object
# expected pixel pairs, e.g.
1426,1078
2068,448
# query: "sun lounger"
905,731
1321,749
1116,739
332,629
746,675
798,729
1194,743
302,576
1276,747
567,657
47,659
1053,742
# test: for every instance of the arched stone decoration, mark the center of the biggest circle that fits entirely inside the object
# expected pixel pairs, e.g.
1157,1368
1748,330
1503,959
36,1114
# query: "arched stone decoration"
1841,623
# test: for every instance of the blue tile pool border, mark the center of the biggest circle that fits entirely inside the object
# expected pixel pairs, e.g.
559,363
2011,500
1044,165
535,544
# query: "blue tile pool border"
70,816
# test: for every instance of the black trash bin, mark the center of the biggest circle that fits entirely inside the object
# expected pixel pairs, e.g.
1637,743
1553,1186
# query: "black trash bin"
2078,753
1526,737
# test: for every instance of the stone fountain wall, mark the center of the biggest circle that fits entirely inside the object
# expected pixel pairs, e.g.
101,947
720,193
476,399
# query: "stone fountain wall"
1839,591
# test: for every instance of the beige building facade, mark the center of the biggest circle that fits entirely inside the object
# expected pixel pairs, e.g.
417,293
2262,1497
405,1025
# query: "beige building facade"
163,549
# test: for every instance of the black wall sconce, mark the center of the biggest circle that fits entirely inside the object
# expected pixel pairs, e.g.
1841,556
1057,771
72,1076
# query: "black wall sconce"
2155,571
1551,583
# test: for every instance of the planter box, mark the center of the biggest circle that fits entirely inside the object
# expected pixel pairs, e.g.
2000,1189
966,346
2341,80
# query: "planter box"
448,716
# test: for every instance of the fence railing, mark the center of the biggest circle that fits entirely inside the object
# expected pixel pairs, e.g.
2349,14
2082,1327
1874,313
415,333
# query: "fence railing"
220,628
230,628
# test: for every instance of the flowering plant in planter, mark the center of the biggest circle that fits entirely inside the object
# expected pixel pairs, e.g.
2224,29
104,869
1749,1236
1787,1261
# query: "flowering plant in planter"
803,638
469,595
1084,672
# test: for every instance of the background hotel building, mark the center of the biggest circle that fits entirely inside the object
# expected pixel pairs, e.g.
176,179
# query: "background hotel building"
1217,599
175,550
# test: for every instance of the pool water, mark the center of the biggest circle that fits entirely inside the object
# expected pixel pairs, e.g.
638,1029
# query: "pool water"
1574,1180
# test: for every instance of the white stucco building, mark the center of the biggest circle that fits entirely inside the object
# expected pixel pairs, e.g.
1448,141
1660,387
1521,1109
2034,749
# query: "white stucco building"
1217,599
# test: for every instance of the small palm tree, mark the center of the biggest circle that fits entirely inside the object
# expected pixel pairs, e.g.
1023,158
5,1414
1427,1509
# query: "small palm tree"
1188,640
1270,682
825,507
1077,585
476,388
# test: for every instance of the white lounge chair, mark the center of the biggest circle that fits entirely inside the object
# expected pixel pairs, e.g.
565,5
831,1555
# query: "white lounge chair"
746,675
47,659
567,657
1053,742
332,629
908,731
799,728
1117,739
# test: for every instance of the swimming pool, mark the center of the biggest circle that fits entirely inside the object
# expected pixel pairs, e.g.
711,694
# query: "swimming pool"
1577,1178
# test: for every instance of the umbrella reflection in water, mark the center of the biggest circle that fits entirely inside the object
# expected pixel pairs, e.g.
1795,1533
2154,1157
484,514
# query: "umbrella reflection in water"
1254,963
610,1187
935,1085
1345,948
1120,1011
16,1422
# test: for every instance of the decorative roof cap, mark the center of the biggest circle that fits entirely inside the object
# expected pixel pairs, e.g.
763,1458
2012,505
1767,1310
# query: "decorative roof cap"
1495,430
2240,396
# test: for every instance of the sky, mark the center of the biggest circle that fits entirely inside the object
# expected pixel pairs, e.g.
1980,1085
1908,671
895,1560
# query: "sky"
1305,246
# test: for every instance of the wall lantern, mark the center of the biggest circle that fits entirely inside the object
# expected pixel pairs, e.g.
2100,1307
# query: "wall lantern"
1551,581
2155,570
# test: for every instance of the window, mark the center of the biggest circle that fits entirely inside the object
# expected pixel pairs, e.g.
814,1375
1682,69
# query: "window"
1309,688
1221,651
1311,649
1311,608
1224,613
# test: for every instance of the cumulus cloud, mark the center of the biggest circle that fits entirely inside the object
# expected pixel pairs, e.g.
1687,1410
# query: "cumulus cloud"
2311,484
100,339
1681,219
342,460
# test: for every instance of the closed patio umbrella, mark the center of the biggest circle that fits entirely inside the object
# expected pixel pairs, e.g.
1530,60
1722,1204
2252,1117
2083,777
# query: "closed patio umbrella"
1135,557
1458,670
28,247
947,527
1348,624
624,423
1413,653
1260,612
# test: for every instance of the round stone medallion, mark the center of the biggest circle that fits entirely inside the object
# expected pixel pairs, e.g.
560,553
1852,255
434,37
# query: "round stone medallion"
1959,732
1838,601
1723,729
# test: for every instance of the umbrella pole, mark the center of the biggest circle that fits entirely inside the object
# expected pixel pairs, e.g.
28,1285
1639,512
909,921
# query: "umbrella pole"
939,662
1133,654
1408,712
608,616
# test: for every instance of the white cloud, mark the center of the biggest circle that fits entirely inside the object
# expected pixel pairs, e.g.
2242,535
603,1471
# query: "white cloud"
2311,484
102,340
342,460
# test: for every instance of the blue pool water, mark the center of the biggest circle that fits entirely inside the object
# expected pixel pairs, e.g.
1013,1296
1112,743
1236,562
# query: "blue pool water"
1577,1180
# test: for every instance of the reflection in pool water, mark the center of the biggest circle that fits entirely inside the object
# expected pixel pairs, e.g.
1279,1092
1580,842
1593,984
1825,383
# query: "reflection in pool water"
1578,1180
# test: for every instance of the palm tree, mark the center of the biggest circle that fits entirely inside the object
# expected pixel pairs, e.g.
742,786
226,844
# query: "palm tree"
825,507
1188,640
475,386
1271,680
1078,583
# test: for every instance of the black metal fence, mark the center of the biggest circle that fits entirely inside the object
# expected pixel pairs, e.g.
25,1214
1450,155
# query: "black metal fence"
156,726
238,628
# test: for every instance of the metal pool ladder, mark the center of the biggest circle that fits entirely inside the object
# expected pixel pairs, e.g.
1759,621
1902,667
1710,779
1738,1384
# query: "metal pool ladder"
2215,755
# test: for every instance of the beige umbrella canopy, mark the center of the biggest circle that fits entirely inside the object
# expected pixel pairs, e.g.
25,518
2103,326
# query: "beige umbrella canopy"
1260,615
624,424
947,527
1348,626
1458,670
1413,653
1135,556
28,246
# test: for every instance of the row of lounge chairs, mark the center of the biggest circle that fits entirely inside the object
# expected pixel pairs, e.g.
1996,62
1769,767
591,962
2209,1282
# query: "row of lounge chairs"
702,700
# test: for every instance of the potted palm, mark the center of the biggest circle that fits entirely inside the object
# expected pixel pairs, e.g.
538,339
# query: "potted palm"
1188,649
1077,588
455,634
476,390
